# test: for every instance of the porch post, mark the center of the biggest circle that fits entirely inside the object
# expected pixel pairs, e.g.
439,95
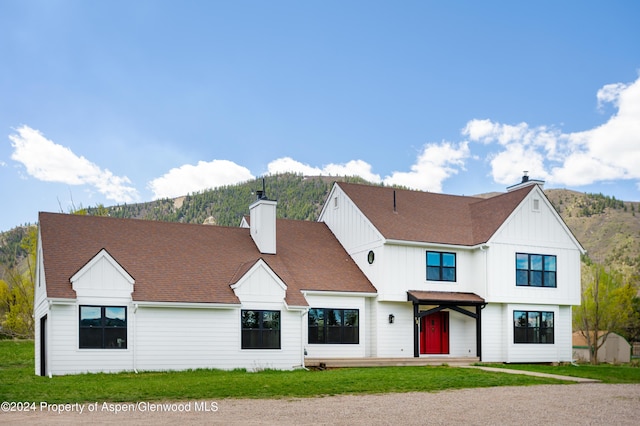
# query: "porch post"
416,331
479,332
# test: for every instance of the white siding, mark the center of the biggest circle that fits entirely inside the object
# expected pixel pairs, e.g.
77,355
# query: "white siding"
559,351
339,350
371,349
497,335
170,337
260,285
101,277
404,268
564,334
167,338
40,306
462,335
533,232
395,340
354,231
494,329
66,358
178,339
263,225
502,276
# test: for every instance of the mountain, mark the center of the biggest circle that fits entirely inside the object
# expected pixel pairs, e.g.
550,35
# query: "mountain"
608,229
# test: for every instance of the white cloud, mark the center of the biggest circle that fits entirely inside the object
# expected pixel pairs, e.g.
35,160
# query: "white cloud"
50,162
508,165
610,93
188,178
434,165
608,152
352,168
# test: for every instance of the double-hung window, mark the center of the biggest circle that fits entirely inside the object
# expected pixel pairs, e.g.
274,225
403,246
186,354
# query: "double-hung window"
532,327
441,266
103,327
260,329
333,326
535,270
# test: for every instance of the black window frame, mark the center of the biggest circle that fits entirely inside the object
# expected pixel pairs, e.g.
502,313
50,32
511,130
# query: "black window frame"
343,333
442,272
532,273
106,333
262,336
527,331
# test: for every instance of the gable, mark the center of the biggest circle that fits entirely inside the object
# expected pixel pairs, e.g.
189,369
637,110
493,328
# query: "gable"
535,221
102,275
260,284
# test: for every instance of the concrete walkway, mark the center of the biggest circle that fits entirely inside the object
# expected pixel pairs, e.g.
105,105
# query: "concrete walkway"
533,373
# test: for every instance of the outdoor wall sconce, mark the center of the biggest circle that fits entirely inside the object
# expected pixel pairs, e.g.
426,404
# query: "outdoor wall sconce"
391,318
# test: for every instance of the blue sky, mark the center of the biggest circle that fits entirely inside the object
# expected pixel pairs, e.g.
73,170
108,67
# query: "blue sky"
106,102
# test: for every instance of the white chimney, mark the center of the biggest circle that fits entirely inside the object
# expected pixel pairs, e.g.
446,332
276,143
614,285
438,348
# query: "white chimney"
263,223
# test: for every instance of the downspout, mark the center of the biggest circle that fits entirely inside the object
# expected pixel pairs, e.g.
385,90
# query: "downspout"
47,338
483,248
303,312
303,348
135,338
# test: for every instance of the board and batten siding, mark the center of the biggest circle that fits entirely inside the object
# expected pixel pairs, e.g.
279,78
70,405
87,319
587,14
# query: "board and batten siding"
352,229
533,231
404,268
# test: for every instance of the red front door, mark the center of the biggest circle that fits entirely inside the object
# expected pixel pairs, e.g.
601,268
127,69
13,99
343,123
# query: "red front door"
434,333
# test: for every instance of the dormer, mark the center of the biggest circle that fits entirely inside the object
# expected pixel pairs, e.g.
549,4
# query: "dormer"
262,222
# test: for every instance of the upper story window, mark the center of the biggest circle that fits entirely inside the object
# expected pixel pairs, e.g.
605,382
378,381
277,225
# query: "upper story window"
333,326
103,327
260,329
441,266
535,270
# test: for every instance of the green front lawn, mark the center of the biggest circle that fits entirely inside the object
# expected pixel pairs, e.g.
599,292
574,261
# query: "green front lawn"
19,383
606,373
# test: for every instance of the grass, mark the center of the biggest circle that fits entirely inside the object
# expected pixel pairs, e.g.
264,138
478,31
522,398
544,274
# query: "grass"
606,373
19,383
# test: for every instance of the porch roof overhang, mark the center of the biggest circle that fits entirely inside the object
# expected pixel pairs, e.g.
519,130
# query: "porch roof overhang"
444,298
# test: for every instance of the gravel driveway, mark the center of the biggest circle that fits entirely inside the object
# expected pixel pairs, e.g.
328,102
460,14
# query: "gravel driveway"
593,403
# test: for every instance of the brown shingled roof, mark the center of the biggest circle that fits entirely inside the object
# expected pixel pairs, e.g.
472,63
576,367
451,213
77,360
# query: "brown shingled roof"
436,297
173,262
431,217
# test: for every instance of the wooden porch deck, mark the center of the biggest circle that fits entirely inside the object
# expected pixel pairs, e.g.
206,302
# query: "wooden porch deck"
388,362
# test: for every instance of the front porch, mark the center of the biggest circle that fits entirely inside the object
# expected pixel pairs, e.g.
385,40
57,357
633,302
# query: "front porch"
389,362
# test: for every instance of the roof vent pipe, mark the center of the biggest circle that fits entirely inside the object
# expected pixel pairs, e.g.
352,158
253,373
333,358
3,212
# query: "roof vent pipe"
525,178
262,194
394,201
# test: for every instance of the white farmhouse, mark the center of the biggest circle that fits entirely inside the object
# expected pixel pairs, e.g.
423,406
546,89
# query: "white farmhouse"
462,276
384,273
